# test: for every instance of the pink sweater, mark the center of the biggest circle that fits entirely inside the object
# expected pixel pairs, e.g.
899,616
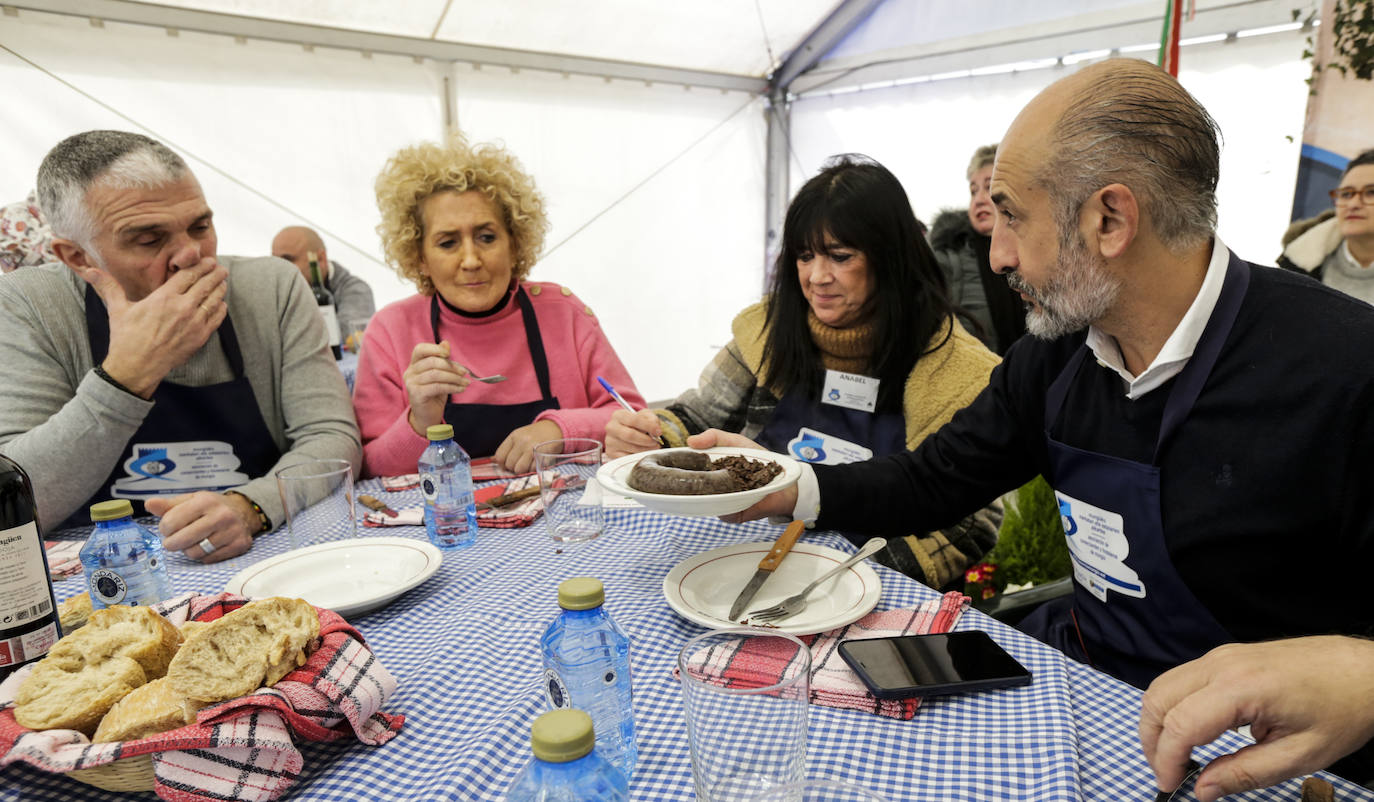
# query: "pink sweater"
576,348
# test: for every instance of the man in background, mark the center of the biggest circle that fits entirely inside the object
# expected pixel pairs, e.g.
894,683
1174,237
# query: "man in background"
352,297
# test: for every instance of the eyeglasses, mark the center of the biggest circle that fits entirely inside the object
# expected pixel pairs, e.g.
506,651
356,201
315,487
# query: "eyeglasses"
1348,194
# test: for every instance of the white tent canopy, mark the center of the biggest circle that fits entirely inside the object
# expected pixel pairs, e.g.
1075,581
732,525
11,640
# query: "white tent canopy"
647,125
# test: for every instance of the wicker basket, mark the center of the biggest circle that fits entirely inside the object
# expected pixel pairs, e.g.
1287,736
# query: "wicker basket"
130,774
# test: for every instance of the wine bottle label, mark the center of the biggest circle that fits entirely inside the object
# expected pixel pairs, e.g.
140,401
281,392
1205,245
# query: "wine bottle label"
331,324
32,644
23,577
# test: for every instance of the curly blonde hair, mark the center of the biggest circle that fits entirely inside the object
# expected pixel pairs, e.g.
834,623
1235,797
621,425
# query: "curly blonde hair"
416,172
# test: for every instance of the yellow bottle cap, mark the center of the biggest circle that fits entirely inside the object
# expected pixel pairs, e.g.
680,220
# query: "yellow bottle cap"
439,431
560,736
112,510
581,593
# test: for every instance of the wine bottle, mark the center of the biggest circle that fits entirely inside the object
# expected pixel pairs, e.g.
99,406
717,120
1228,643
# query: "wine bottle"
28,608
325,300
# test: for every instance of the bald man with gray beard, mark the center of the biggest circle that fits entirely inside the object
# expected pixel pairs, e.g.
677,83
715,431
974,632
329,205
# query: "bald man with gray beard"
353,301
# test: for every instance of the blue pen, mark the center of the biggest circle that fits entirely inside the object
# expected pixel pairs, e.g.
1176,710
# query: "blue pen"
625,404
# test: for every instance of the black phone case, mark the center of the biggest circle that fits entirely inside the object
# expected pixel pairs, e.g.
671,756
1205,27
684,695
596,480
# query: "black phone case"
940,689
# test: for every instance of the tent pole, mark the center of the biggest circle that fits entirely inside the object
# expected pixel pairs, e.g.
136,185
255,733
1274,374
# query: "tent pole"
778,113
847,16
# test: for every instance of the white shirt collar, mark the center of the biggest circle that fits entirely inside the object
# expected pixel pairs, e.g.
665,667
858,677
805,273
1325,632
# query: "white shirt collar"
1351,262
1178,349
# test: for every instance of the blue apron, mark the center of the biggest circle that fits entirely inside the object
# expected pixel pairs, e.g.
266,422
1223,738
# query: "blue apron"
1135,618
211,437
481,428
882,433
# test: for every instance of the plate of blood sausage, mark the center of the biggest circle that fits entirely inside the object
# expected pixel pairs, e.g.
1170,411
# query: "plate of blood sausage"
687,481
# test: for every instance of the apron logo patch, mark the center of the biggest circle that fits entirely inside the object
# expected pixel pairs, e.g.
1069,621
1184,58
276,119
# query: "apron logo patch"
156,469
820,448
1098,545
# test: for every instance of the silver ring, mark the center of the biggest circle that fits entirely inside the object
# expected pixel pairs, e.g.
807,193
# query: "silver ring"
207,546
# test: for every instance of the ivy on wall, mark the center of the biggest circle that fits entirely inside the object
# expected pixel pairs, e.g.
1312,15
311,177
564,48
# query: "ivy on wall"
1352,28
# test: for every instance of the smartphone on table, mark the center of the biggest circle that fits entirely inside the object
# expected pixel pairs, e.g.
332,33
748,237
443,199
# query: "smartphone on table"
932,665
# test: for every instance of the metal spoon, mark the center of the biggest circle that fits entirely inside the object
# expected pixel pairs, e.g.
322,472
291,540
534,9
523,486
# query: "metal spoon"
484,379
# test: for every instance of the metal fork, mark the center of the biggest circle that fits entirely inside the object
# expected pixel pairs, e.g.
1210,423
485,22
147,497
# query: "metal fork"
794,604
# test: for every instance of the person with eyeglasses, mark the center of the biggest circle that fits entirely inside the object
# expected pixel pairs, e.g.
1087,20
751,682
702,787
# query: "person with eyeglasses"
1337,249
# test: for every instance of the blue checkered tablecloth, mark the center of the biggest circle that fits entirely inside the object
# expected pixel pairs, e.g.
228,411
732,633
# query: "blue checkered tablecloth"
464,649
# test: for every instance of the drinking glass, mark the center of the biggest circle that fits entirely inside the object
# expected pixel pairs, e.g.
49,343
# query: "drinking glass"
318,498
566,469
745,740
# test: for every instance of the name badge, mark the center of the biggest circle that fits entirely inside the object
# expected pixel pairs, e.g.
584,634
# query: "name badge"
157,469
820,448
1098,546
850,390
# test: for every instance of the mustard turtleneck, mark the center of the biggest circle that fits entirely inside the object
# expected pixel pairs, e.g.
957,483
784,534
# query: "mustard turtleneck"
848,350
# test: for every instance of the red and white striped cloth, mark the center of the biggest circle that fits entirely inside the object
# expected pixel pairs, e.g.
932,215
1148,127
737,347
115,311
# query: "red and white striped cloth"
241,749
484,469
510,516
833,682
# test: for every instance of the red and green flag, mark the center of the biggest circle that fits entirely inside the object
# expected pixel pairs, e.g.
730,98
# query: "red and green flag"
1168,40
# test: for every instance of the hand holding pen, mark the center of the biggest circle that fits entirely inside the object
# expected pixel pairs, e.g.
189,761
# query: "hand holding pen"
621,400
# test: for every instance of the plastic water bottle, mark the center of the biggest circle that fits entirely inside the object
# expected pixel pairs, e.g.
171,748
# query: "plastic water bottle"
587,666
124,563
446,481
565,767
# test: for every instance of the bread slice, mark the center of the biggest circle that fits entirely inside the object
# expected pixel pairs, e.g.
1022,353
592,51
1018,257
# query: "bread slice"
256,644
148,710
69,692
135,632
73,612
189,628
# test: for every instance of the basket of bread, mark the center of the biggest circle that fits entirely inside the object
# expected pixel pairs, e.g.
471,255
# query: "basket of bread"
199,697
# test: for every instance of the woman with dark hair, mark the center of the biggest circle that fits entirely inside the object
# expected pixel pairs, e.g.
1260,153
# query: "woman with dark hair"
855,353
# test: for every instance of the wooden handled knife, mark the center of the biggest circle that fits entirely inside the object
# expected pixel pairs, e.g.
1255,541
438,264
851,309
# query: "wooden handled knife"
767,566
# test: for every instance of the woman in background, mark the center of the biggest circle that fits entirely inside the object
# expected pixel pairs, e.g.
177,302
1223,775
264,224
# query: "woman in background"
1337,248
465,224
854,354
962,240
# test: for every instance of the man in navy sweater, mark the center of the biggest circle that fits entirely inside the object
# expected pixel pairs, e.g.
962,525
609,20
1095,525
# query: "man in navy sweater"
1205,422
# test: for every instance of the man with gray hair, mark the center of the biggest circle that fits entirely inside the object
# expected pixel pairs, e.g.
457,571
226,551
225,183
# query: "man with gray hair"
1205,423
147,367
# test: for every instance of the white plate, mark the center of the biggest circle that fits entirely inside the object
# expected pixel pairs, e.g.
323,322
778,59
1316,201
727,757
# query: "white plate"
346,576
702,588
615,476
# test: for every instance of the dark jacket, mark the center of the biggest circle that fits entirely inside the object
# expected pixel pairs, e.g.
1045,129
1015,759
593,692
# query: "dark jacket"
987,307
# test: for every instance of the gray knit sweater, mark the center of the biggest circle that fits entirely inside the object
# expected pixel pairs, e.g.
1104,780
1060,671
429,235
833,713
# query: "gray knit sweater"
68,427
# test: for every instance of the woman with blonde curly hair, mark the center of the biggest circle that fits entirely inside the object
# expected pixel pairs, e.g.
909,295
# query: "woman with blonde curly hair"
465,224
